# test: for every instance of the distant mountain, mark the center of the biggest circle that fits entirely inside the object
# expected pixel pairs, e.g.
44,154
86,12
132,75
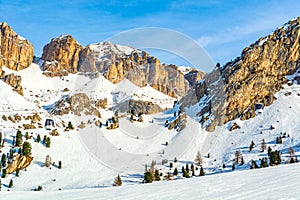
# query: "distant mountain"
65,55
230,92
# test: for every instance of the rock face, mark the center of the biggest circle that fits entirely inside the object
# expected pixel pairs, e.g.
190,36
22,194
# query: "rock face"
61,54
16,53
14,81
230,92
19,162
77,104
64,55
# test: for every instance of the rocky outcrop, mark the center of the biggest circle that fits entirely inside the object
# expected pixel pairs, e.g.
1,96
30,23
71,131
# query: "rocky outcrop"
61,56
77,104
194,76
15,81
144,107
16,53
230,92
19,162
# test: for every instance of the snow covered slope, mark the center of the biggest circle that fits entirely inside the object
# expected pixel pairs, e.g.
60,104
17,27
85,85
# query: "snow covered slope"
273,183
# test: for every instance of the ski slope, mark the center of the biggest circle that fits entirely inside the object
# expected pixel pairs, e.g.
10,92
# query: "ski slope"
280,182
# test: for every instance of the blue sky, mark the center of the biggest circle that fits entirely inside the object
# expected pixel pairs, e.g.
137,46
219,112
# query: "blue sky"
222,28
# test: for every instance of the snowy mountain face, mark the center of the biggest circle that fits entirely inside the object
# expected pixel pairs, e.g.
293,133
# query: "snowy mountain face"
231,91
106,127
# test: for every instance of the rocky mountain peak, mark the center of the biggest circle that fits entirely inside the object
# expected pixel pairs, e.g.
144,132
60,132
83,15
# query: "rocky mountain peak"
16,52
64,55
230,92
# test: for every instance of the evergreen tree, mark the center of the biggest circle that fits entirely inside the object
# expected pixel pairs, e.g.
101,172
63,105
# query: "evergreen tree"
252,145
17,172
26,150
26,136
19,139
44,139
3,160
269,151
202,173
118,181
192,167
70,126
171,165
238,156
38,138
0,137
264,162
175,173
233,166
48,142
3,173
59,165
198,159
208,155
148,178
275,158
157,175
11,184
0,184
242,161
253,165
14,141
224,166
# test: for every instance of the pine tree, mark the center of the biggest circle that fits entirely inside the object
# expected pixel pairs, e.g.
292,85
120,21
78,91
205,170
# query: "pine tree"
238,156
48,142
118,181
0,184
198,159
3,160
264,162
263,145
242,161
175,173
0,137
38,138
269,151
26,150
70,126
3,173
11,184
26,136
19,139
44,139
233,166
252,145
202,173
157,175
253,165
59,165
14,141
148,178
17,172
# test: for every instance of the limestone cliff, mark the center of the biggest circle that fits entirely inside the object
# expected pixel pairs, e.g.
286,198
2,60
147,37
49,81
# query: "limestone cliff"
64,55
16,53
230,92
61,56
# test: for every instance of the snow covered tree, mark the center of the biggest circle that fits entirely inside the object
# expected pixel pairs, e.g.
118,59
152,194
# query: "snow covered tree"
11,183
118,181
19,139
26,149
263,145
198,159
202,173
